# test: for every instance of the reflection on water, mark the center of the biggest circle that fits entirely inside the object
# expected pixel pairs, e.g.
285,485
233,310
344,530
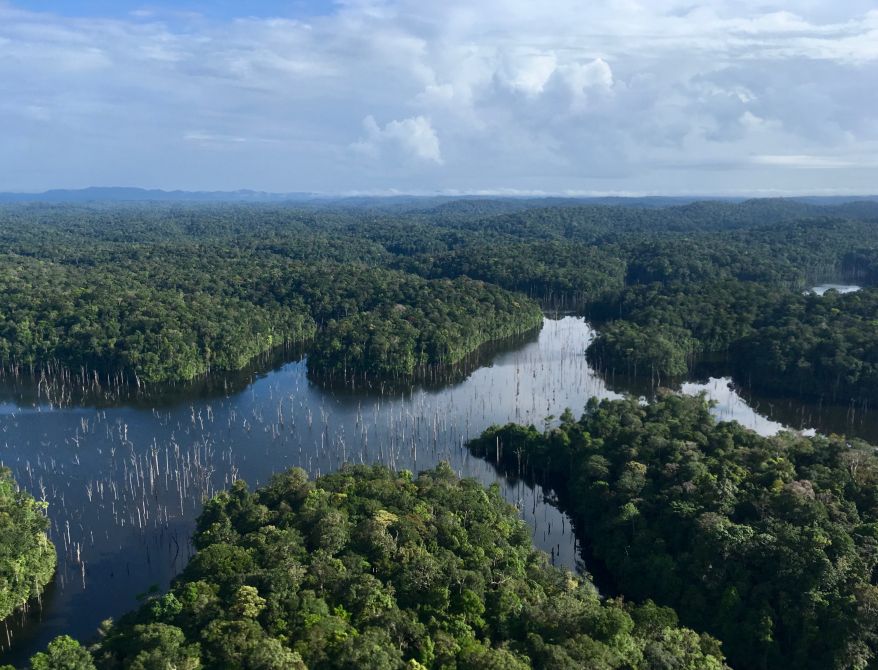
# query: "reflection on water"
841,288
731,406
125,482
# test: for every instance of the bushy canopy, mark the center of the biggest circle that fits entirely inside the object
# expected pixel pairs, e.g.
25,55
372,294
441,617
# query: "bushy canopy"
27,557
769,543
367,568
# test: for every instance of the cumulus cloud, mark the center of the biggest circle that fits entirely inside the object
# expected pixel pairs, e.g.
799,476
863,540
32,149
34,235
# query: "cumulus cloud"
583,76
527,72
585,79
414,137
563,96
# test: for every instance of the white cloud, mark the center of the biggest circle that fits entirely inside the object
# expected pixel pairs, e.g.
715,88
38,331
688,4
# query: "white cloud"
414,136
212,138
582,76
583,79
603,96
526,72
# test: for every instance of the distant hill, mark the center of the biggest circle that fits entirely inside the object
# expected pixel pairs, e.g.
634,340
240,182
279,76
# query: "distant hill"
400,202
446,204
131,194
836,199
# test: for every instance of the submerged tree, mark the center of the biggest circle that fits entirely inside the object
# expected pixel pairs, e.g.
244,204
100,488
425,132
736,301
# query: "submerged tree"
367,568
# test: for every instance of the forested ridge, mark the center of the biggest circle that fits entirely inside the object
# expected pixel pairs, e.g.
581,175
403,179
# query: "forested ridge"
366,568
768,543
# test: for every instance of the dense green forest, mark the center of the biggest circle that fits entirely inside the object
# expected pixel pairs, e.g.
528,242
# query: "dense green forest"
366,568
768,543
27,557
824,346
431,323
169,292
165,301
774,340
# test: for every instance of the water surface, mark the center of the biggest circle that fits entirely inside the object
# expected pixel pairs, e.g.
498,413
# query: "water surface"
125,481
820,289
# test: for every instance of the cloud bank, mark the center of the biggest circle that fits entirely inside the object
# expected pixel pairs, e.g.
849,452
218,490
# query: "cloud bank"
608,96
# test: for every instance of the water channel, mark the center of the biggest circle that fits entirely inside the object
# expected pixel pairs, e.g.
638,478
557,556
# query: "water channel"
125,482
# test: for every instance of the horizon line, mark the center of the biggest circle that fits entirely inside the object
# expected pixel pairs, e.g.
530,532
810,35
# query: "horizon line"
464,193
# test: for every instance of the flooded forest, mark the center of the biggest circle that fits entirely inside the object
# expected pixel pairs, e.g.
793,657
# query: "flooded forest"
441,433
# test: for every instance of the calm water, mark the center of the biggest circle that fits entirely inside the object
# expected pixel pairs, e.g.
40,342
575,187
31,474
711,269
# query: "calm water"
125,483
841,288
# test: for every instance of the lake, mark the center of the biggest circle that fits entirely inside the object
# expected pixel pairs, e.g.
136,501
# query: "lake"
125,480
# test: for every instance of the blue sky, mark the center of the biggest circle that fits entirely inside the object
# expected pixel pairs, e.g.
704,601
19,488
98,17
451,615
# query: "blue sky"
215,9
737,97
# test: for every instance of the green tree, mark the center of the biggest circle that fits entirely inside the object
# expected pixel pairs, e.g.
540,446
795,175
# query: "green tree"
63,653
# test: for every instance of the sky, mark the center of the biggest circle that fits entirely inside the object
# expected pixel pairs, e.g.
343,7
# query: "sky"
570,97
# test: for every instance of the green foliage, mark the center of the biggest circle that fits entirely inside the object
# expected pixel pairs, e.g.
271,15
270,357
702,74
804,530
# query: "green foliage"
777,340
547,270
769,543
709,315
366,568
658,352
63,653
436,324
172,292
169,295
815,346
27,557
157,319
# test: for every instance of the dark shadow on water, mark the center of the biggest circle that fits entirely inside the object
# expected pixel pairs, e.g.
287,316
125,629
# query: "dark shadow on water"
28,391
118,575
556,495
854,419
25,626
431,379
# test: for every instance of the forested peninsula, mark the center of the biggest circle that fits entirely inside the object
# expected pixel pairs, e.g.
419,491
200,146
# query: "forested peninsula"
768,543
366,568
170,307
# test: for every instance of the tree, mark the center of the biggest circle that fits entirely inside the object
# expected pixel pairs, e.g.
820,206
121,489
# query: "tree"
63,653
